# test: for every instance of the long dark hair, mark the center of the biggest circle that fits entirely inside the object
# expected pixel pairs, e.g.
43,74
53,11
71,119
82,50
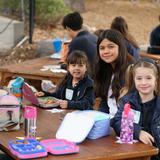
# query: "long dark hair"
104,71
120,24
75,57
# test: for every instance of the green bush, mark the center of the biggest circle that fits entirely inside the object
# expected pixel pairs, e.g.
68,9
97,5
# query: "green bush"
50,11
10,6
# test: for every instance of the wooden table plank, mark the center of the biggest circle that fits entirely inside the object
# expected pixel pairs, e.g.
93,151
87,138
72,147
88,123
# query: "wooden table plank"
30,69
149,55
100,149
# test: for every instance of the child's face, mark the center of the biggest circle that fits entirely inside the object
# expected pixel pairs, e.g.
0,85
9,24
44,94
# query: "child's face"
145,81
108,51
77,70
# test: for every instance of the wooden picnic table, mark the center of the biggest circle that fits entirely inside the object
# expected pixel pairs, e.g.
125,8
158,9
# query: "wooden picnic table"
104,148
30,69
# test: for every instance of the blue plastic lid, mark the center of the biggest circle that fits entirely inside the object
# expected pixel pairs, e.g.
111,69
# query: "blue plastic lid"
18,82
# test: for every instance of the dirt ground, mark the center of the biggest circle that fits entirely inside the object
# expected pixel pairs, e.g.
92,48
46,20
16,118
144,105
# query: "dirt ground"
142,17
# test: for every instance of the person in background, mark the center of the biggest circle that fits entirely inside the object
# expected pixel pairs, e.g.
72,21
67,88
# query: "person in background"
81,39
120,24
113,60
98,32
155,40
64,52
76,89
142,92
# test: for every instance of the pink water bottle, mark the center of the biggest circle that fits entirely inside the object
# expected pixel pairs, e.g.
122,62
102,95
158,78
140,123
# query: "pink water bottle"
30,115
126,134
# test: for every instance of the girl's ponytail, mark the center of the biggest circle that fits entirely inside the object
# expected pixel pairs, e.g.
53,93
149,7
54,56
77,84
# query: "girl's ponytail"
129,81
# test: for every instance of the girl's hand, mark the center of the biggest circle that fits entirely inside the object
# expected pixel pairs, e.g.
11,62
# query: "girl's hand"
39,94
63,104
146,138
51,90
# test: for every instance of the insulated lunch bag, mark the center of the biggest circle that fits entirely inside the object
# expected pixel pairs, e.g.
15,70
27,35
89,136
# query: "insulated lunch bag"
9,111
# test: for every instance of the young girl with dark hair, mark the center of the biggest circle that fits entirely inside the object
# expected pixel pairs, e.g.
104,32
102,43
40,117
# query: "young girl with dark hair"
76,89
113,60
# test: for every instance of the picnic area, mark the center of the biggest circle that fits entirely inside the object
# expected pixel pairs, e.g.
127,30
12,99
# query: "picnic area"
142,17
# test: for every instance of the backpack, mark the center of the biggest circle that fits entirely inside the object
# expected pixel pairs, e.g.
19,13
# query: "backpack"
9,111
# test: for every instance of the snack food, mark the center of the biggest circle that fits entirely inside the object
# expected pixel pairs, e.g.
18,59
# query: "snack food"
50,101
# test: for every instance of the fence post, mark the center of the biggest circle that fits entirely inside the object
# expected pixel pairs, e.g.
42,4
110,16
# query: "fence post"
31,18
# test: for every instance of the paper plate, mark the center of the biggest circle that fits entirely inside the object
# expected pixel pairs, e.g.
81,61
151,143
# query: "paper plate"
56,56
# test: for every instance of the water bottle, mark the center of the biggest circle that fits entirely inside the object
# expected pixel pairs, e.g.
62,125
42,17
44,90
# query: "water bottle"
126,134
16,88
30,115
57,45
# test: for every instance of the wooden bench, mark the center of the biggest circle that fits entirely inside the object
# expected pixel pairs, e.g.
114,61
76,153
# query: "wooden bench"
149,55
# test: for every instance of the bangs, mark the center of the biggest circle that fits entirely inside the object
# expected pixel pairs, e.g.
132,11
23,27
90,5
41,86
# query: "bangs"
77,58
77,61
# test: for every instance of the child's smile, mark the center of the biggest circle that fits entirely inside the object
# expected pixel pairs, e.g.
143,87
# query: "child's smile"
77,70
145,81
108,51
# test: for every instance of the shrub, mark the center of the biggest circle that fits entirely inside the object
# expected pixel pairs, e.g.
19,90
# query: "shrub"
50,11
46,11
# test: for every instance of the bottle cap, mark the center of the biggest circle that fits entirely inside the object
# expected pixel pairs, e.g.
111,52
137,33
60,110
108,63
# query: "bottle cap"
127,108
18,82
30,112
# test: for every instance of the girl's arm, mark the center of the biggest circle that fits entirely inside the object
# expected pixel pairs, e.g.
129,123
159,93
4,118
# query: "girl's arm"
85,103
116,120
103,107
56,94
39,94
